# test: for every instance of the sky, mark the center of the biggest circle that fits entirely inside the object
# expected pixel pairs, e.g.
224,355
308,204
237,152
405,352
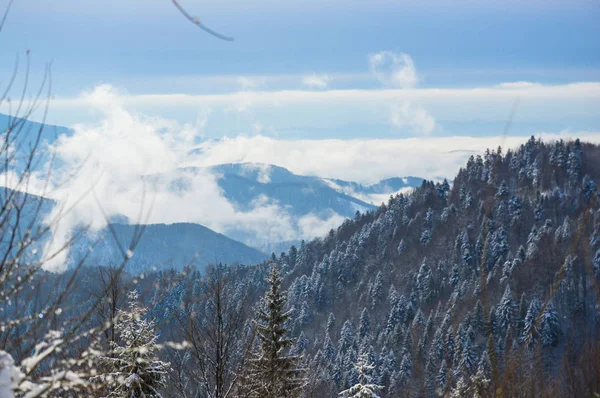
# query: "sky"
397,69
356,90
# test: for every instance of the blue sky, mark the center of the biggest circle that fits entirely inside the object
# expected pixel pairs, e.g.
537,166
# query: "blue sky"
454,43
147,48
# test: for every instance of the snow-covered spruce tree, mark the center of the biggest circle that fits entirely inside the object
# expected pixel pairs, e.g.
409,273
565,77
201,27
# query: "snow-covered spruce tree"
480,385
365,388
460,390
442,377
530,326
550,326
132,369
364,328
505,312
272,371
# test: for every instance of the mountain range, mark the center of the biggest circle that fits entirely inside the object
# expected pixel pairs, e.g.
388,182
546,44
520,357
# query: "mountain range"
244,183
180,244
245,186
248,186
162,246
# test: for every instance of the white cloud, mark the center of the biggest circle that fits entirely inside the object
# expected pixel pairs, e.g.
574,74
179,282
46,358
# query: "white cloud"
518,85
251,83
415,118
398,70
379,198
364,160
291,109
316,81
395,70
262,170
257,128
313,225
373,198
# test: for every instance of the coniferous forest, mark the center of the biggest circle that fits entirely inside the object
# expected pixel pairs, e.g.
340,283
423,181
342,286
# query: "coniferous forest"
486,286
121,273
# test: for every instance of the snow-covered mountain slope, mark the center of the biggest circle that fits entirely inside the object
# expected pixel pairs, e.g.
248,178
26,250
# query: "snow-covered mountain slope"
244,183
308,205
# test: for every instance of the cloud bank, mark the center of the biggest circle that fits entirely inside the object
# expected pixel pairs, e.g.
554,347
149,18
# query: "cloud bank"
303,113
364,160
399,108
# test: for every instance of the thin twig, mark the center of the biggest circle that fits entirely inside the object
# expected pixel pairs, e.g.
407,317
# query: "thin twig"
197,22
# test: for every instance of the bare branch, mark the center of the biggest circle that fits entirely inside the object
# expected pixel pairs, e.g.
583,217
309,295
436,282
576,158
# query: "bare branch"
5,14
197,22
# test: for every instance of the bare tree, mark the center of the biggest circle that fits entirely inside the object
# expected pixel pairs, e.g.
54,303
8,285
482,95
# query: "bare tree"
112,296
37,324
212,323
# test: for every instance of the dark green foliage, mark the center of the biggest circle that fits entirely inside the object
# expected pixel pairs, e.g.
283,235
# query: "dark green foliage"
271,372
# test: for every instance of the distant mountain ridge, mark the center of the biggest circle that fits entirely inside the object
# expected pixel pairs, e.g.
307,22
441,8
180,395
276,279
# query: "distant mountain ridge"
161,245
304,199
25,134
388,185
242,183
31,128
164,246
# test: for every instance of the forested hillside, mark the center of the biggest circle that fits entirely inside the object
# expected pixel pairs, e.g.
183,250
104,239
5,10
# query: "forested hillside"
491,284
489,287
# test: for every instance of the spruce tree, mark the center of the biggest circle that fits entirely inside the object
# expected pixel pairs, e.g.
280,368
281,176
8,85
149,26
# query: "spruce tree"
365,388
480,385
530,328
364,328
596,264
442,377
132,369
405,371
377,290
505,311
347,337
461,389
330,322
550,326
424,282
329,349
396,316
273,372
401,247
